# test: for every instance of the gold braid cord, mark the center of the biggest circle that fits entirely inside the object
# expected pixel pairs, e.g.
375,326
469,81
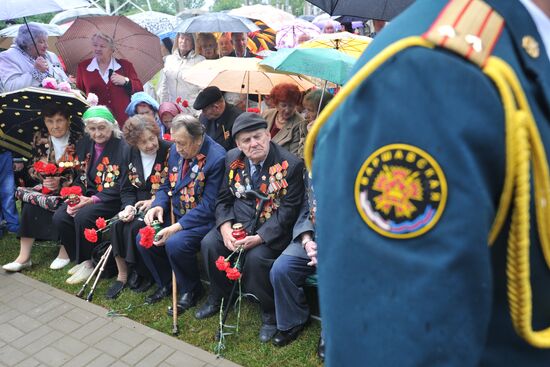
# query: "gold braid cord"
524,148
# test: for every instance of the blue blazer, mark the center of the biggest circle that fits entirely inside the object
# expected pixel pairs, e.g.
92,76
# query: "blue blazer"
193,196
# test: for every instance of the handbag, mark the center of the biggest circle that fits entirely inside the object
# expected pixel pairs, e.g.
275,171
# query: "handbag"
32,195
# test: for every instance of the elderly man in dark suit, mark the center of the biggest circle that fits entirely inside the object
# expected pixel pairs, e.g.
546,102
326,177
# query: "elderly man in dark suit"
260,165
217,116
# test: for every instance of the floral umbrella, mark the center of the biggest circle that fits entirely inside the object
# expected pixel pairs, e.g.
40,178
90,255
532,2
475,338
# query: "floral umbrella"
273,17
20,115
155,22
289,35
345,42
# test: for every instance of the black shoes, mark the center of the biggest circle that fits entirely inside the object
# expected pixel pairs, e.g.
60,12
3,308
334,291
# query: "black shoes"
268,328
134,280
186,301
159,294
210,308
146,283
115,289
283,338
321,349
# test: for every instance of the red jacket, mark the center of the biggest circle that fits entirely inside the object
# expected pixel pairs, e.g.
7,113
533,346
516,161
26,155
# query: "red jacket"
113,96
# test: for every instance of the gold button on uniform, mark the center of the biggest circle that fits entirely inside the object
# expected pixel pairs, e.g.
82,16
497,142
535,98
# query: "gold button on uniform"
531,46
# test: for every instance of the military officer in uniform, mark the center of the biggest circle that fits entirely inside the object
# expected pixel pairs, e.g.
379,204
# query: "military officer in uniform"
195,172
433,240
256,164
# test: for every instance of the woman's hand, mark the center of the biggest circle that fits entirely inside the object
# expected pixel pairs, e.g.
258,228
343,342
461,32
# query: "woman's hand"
51,183
41,64
144,205
84,200
127,215
165,233
118,79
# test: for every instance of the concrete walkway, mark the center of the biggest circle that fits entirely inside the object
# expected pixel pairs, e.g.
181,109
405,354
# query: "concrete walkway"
43,326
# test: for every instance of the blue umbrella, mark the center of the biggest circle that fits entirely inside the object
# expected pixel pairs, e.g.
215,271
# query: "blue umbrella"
216,22
326,64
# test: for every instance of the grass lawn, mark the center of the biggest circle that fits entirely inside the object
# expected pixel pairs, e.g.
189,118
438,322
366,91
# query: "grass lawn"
243,348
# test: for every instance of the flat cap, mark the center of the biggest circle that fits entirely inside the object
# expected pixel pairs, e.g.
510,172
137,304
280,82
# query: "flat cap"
248,121
206,97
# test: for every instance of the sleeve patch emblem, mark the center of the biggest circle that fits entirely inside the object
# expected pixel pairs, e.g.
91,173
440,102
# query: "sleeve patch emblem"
400,191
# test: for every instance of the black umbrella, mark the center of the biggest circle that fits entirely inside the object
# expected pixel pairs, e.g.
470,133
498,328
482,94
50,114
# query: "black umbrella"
20,115
370,9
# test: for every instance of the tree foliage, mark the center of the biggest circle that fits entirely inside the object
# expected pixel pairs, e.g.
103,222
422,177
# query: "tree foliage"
220,5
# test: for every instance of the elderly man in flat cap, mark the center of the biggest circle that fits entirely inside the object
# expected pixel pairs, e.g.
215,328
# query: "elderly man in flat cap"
260,165
217,116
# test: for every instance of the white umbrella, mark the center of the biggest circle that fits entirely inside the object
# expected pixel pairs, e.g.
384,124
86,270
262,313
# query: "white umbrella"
155,22
71,14
13,9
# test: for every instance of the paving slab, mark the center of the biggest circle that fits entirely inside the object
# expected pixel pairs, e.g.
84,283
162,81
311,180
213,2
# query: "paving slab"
44,326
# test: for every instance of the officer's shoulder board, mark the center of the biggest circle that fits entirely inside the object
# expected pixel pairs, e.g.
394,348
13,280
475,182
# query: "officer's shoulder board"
400,190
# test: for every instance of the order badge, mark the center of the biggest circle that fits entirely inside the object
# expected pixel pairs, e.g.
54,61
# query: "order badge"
400,191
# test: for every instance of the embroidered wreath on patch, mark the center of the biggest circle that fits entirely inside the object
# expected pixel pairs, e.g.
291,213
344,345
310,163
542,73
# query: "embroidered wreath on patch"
400,191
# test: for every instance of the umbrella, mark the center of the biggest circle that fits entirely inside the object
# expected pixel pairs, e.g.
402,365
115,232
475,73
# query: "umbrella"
20,115
326,64
240,75
139,46
7,35
215,22
71,14
261,40
289,35
371,9
155,22
345,42
13,9
273,17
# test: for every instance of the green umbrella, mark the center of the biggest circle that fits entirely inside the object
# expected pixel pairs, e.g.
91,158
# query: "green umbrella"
326,64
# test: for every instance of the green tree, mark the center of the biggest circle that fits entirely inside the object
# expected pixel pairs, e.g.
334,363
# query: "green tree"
190,4
220,5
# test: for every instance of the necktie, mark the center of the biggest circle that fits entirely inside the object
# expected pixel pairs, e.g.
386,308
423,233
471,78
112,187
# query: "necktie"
256,176
184,168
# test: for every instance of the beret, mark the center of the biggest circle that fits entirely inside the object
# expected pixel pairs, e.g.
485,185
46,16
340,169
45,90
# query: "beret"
206,97
248,121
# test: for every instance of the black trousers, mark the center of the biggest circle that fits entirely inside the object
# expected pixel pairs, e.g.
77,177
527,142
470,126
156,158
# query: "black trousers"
71,229
123,239
255,272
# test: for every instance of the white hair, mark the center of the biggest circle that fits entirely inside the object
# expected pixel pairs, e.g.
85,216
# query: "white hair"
24,38
98,120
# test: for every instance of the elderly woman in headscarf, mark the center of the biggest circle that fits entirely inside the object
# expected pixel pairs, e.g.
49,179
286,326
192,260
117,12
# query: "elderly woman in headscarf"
104,160
27,63
143,104
54,144
112,80
167,112
147,171
176,67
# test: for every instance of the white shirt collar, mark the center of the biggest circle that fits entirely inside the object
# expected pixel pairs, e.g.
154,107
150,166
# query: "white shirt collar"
542,21
93,65
59,145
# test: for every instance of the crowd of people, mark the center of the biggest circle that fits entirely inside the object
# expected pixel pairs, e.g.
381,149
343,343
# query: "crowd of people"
195,168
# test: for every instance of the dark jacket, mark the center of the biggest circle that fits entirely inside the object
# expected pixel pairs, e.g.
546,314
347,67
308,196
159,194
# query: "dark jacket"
112,165
220,129
135,185
280,212
193,196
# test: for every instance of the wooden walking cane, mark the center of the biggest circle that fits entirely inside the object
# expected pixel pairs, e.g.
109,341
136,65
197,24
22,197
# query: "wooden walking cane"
175,329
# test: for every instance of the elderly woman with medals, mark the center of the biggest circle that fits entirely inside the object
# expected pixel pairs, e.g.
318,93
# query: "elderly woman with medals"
103,156
195,172
147,171
54,146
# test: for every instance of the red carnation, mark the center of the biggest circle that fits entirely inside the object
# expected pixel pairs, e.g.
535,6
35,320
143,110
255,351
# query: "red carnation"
100,223
221,264
185,103
167,137
90,234
50,169
39,166
147,236
45,190
178,100
233,273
